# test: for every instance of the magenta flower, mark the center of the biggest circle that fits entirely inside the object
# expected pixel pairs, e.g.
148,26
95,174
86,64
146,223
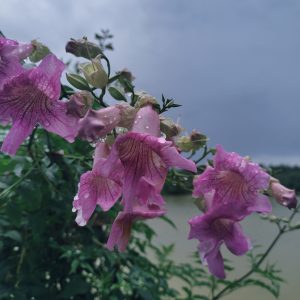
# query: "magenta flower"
145,158
98,123
121,228
283,195
235,180
95,188
32,97
212,229
10,55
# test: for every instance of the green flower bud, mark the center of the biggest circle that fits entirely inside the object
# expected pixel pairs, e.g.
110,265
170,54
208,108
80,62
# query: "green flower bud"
39,51
144,99
169,128
193,142
94,73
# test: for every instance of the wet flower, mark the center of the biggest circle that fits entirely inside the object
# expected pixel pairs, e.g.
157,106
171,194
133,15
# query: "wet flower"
212,229
145,158
32,98
97,189
11,53
98,123
282,194
94,73
121,228
79,103
234,179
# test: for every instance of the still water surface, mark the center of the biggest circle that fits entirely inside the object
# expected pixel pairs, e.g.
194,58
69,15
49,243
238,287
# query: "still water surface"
286,253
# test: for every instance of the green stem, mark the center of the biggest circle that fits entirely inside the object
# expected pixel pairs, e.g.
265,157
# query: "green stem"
16,183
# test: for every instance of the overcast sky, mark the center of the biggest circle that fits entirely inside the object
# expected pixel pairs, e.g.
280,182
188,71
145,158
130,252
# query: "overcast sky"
233,64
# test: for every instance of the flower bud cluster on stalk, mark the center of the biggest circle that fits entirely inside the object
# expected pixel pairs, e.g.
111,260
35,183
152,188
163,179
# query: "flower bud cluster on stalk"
135,148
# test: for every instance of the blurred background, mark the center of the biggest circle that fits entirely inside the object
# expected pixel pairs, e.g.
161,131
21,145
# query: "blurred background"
234,66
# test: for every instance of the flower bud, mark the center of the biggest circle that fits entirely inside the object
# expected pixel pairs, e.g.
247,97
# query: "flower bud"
94,73
39,51
169,128
125,73
282,194
127,114
193,142
98,123
83,48
79,103
144,99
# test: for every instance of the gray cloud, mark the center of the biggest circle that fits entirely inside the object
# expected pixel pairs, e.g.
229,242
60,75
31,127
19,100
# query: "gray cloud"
233,64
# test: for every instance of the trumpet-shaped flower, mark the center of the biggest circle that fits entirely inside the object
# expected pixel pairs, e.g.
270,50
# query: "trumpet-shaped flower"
145,158
236,180
95,188
121,228
212,229
11,52
98,123
32,97
282,194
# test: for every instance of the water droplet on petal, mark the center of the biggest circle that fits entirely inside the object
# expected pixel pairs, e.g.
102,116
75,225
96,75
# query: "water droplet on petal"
135,122
86,195
73,209
147,127
139,117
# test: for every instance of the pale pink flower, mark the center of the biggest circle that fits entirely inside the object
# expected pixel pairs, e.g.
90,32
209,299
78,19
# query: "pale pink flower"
31,98
236,180
145,158
95,188
217,226
11,53
282,194
121,228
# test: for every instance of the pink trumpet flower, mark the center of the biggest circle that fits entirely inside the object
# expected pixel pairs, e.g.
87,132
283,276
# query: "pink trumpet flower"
212,229
145,158
95,188
31,98
11,53
121,228
98,123
236,180
282,194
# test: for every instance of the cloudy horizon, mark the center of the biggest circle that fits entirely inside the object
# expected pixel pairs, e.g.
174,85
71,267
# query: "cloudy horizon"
234,65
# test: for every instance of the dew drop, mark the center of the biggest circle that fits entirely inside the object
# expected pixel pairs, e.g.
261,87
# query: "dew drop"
86,195
73,209
135,122
147,127
139,117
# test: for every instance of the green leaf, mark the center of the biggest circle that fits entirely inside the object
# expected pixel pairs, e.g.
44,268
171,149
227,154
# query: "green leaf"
14,235
78,82
116,94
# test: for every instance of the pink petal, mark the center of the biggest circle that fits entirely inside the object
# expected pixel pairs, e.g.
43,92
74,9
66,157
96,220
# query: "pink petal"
20,130
53,118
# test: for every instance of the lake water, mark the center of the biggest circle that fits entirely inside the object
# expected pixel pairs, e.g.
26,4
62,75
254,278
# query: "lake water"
286,253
